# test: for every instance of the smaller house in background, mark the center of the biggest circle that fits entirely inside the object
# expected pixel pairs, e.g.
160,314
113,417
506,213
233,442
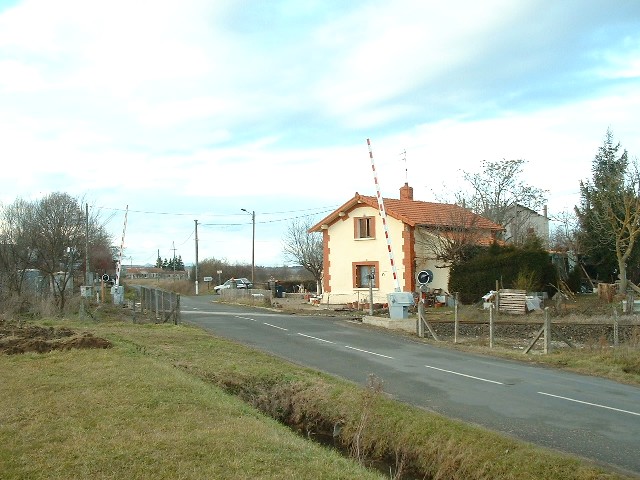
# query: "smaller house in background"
522,222
131,273
358,250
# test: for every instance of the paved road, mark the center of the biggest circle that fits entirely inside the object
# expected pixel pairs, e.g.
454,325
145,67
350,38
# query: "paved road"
587,416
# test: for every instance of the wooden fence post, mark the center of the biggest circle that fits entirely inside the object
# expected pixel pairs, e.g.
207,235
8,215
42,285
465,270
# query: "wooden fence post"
455,318
155,296
491,326
615,327
176,315
547,331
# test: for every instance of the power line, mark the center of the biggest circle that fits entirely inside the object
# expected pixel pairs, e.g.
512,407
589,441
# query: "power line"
314,212
324,208
262,221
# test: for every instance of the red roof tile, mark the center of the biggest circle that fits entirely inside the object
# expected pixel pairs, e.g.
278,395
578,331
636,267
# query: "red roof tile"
414,212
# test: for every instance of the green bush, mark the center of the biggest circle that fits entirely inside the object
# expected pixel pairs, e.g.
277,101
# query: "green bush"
526,268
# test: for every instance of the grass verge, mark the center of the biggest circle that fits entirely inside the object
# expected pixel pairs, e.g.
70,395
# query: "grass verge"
157,405
621,364
121,413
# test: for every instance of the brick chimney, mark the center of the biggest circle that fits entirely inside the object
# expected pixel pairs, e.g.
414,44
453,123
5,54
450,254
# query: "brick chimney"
406,192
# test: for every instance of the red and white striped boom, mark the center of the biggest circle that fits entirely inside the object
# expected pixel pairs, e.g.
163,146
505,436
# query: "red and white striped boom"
119,264
383,215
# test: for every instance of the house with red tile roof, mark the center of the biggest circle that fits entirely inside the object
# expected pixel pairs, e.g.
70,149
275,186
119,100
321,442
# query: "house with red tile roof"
359,249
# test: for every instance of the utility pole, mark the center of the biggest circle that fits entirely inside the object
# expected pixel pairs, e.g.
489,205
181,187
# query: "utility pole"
86,246
196,256
253,244
86,263
253,247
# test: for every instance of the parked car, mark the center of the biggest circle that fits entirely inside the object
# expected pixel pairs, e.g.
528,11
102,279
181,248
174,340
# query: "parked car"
240,283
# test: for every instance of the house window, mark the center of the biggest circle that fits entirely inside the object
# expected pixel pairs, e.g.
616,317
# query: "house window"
365,273
364,227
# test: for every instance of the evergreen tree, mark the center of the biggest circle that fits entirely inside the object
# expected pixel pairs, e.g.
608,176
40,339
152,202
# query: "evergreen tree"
609,214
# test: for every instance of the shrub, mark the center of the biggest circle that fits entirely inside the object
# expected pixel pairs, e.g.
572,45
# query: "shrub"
527,268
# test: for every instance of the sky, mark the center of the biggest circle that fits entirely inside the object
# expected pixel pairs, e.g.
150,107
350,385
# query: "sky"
160,114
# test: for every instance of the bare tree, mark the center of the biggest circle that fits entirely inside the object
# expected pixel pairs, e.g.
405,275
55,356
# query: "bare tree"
498,193
14,247
57,229
622,219
564,243
304,248
454,238
49,235
564,237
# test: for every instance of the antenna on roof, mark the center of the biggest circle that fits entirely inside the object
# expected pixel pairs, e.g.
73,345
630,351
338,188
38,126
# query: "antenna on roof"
404,159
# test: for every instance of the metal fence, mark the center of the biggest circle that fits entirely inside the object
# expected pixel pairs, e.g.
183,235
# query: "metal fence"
543,331
165,305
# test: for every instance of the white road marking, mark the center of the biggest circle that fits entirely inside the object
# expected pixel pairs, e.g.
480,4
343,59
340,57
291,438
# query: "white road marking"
195,310
275,326
464,375
246,318
589,403
315,338
370,353
225,314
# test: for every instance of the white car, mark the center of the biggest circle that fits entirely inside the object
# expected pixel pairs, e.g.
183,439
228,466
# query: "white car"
240,283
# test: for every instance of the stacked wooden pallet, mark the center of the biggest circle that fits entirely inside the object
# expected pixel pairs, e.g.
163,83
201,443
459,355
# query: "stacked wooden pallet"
512,301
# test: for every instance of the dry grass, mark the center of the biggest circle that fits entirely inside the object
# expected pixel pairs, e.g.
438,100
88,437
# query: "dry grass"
122,413
175,402
424,444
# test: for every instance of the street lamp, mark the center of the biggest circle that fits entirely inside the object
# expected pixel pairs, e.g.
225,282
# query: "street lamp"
253,244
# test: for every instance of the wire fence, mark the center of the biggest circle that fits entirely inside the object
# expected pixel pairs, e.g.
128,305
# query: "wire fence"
540,331
163,304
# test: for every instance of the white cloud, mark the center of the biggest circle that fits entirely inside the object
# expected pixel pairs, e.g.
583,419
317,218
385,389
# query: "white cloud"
20,77
200,107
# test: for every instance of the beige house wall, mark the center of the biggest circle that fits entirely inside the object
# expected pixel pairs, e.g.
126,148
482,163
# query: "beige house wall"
424,260
346,249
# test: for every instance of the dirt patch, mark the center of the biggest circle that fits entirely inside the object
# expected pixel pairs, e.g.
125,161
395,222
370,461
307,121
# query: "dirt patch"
21,338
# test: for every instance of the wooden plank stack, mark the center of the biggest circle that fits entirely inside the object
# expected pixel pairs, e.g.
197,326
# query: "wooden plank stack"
512,301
